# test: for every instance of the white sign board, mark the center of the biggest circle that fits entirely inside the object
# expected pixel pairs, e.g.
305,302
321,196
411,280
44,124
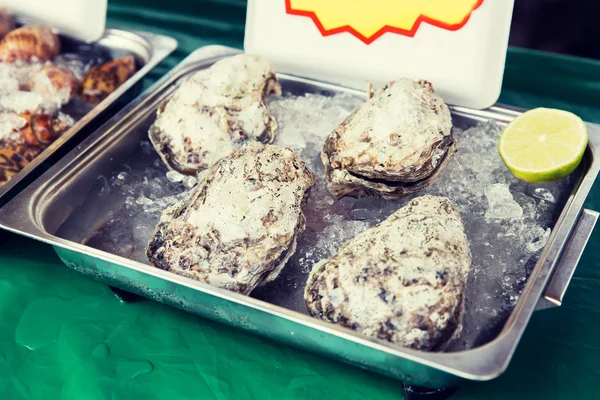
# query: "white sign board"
458,45
81,19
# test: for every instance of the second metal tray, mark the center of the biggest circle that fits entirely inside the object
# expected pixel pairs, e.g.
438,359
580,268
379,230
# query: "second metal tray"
41,210
148,49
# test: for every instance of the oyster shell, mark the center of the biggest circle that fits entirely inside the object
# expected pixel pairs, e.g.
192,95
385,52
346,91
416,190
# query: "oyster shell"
30,133
7,22
23,137
214,112
393,145
101,80
42,129
239,226
54,84
29,42
11,163
402,281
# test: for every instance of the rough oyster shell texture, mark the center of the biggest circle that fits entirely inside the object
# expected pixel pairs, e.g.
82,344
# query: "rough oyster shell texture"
395,144
101,80
29,42
401,281
239,226
214,112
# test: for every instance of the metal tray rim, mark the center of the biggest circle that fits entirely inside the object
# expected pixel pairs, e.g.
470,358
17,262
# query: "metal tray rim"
473,362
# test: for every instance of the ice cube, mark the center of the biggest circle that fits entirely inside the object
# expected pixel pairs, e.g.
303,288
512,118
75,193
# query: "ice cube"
536,239
143,200
501,204
174,176
544,194
66,119
189,181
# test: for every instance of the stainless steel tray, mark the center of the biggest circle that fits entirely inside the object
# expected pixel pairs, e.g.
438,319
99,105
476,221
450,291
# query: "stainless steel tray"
42,208
148,49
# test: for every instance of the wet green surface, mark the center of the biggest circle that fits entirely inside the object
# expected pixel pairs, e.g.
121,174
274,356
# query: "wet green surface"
63,336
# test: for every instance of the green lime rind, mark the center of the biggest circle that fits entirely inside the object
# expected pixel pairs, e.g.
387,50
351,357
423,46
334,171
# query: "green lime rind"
549,175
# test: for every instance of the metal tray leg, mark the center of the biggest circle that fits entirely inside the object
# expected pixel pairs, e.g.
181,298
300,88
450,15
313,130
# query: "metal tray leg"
418,393
124,296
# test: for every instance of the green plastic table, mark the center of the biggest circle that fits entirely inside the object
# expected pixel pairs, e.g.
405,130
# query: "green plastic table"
63,336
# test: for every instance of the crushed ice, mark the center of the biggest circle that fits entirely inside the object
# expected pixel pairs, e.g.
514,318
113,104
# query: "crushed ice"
174,176
337,232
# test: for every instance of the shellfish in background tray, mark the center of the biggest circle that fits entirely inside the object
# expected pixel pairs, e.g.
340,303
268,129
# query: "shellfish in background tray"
52,86
35,85
102,80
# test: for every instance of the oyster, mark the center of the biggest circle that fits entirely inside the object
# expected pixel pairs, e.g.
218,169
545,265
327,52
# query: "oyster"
7,22
239,226
30,42
23,137
11,163
55,85
102,80
214,112
35,88
29,134
393,145
42,129
402,281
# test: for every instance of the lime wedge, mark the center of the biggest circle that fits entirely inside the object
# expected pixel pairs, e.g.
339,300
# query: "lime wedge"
543,144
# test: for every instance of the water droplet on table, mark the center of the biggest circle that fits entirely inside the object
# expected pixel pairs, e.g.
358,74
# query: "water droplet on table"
101,350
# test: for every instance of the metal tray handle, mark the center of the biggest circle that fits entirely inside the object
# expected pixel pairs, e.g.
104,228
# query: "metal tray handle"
563,272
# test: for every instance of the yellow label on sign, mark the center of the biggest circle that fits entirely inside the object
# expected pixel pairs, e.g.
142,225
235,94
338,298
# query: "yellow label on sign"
369,19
